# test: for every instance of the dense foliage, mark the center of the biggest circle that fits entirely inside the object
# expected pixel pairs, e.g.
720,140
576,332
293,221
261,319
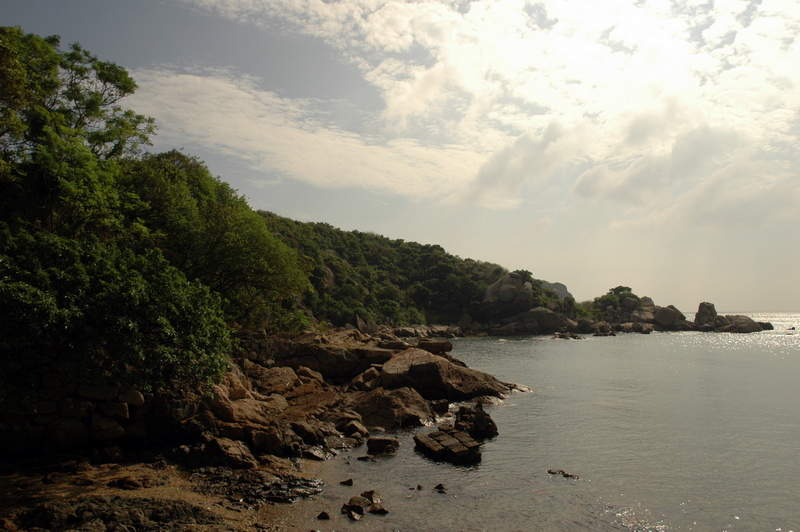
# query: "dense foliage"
112,261
212,235
389,281
105,309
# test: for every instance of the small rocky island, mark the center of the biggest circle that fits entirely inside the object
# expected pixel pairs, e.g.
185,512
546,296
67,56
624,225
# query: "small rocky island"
513,311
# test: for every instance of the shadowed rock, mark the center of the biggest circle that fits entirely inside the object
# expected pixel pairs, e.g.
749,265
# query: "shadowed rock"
450,445
435,377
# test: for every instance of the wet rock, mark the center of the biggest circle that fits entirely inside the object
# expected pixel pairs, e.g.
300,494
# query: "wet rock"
358,500
377,508
354,509
440,406
450,445
355,429
382,445
562,473
567,336
476,422
372,496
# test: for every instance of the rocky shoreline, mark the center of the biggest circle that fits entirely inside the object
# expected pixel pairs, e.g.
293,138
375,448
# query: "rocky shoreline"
216,461
282,403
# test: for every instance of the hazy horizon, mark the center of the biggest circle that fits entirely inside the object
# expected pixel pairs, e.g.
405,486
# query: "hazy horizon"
649,144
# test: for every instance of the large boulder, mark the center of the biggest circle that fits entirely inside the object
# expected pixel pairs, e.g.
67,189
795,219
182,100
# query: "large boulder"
391,409
642,316
668,317
338,363
740,324
705,319
382,445
435,377
646,302
476,422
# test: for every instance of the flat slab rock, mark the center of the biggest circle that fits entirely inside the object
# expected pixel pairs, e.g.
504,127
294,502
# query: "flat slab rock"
449,445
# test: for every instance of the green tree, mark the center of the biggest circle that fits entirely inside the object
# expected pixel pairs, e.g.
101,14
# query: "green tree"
61,133
211,234
80,283
108,311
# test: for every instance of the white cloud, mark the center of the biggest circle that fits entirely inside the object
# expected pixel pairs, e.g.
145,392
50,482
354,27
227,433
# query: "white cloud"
229,114
660,101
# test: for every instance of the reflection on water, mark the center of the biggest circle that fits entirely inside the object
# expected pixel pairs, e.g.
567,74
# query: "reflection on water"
678,431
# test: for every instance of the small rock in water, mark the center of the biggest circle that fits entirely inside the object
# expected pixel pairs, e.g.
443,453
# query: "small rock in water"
372,496
377,508
359,500
562,473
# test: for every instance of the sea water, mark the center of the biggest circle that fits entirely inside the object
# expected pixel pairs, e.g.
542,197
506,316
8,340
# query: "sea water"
667,431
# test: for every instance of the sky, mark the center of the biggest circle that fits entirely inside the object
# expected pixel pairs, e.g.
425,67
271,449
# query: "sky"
653,144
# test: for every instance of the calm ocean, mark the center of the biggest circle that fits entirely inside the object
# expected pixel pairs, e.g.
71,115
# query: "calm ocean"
667,431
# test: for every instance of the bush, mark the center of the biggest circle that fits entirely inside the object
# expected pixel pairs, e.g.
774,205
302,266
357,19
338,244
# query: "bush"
111,312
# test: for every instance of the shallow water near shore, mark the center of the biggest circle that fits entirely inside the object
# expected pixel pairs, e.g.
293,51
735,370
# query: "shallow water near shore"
668,431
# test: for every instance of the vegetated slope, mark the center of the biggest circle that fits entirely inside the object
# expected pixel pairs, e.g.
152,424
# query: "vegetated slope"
386,280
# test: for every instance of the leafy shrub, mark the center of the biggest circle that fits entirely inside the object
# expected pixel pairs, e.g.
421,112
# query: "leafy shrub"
108,310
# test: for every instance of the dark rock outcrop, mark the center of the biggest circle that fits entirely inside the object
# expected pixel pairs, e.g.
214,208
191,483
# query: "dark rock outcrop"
391,409
705,319
740,324
476,422
382,445
448,444
435,377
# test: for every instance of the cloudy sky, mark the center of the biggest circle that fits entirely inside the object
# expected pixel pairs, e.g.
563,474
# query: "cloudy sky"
649,143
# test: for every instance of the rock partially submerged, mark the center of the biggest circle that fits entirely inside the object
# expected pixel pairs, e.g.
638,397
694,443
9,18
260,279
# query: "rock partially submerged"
707,319
459,443
449,444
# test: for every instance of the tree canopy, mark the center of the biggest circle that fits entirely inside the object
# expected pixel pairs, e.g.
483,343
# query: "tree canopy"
119,262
